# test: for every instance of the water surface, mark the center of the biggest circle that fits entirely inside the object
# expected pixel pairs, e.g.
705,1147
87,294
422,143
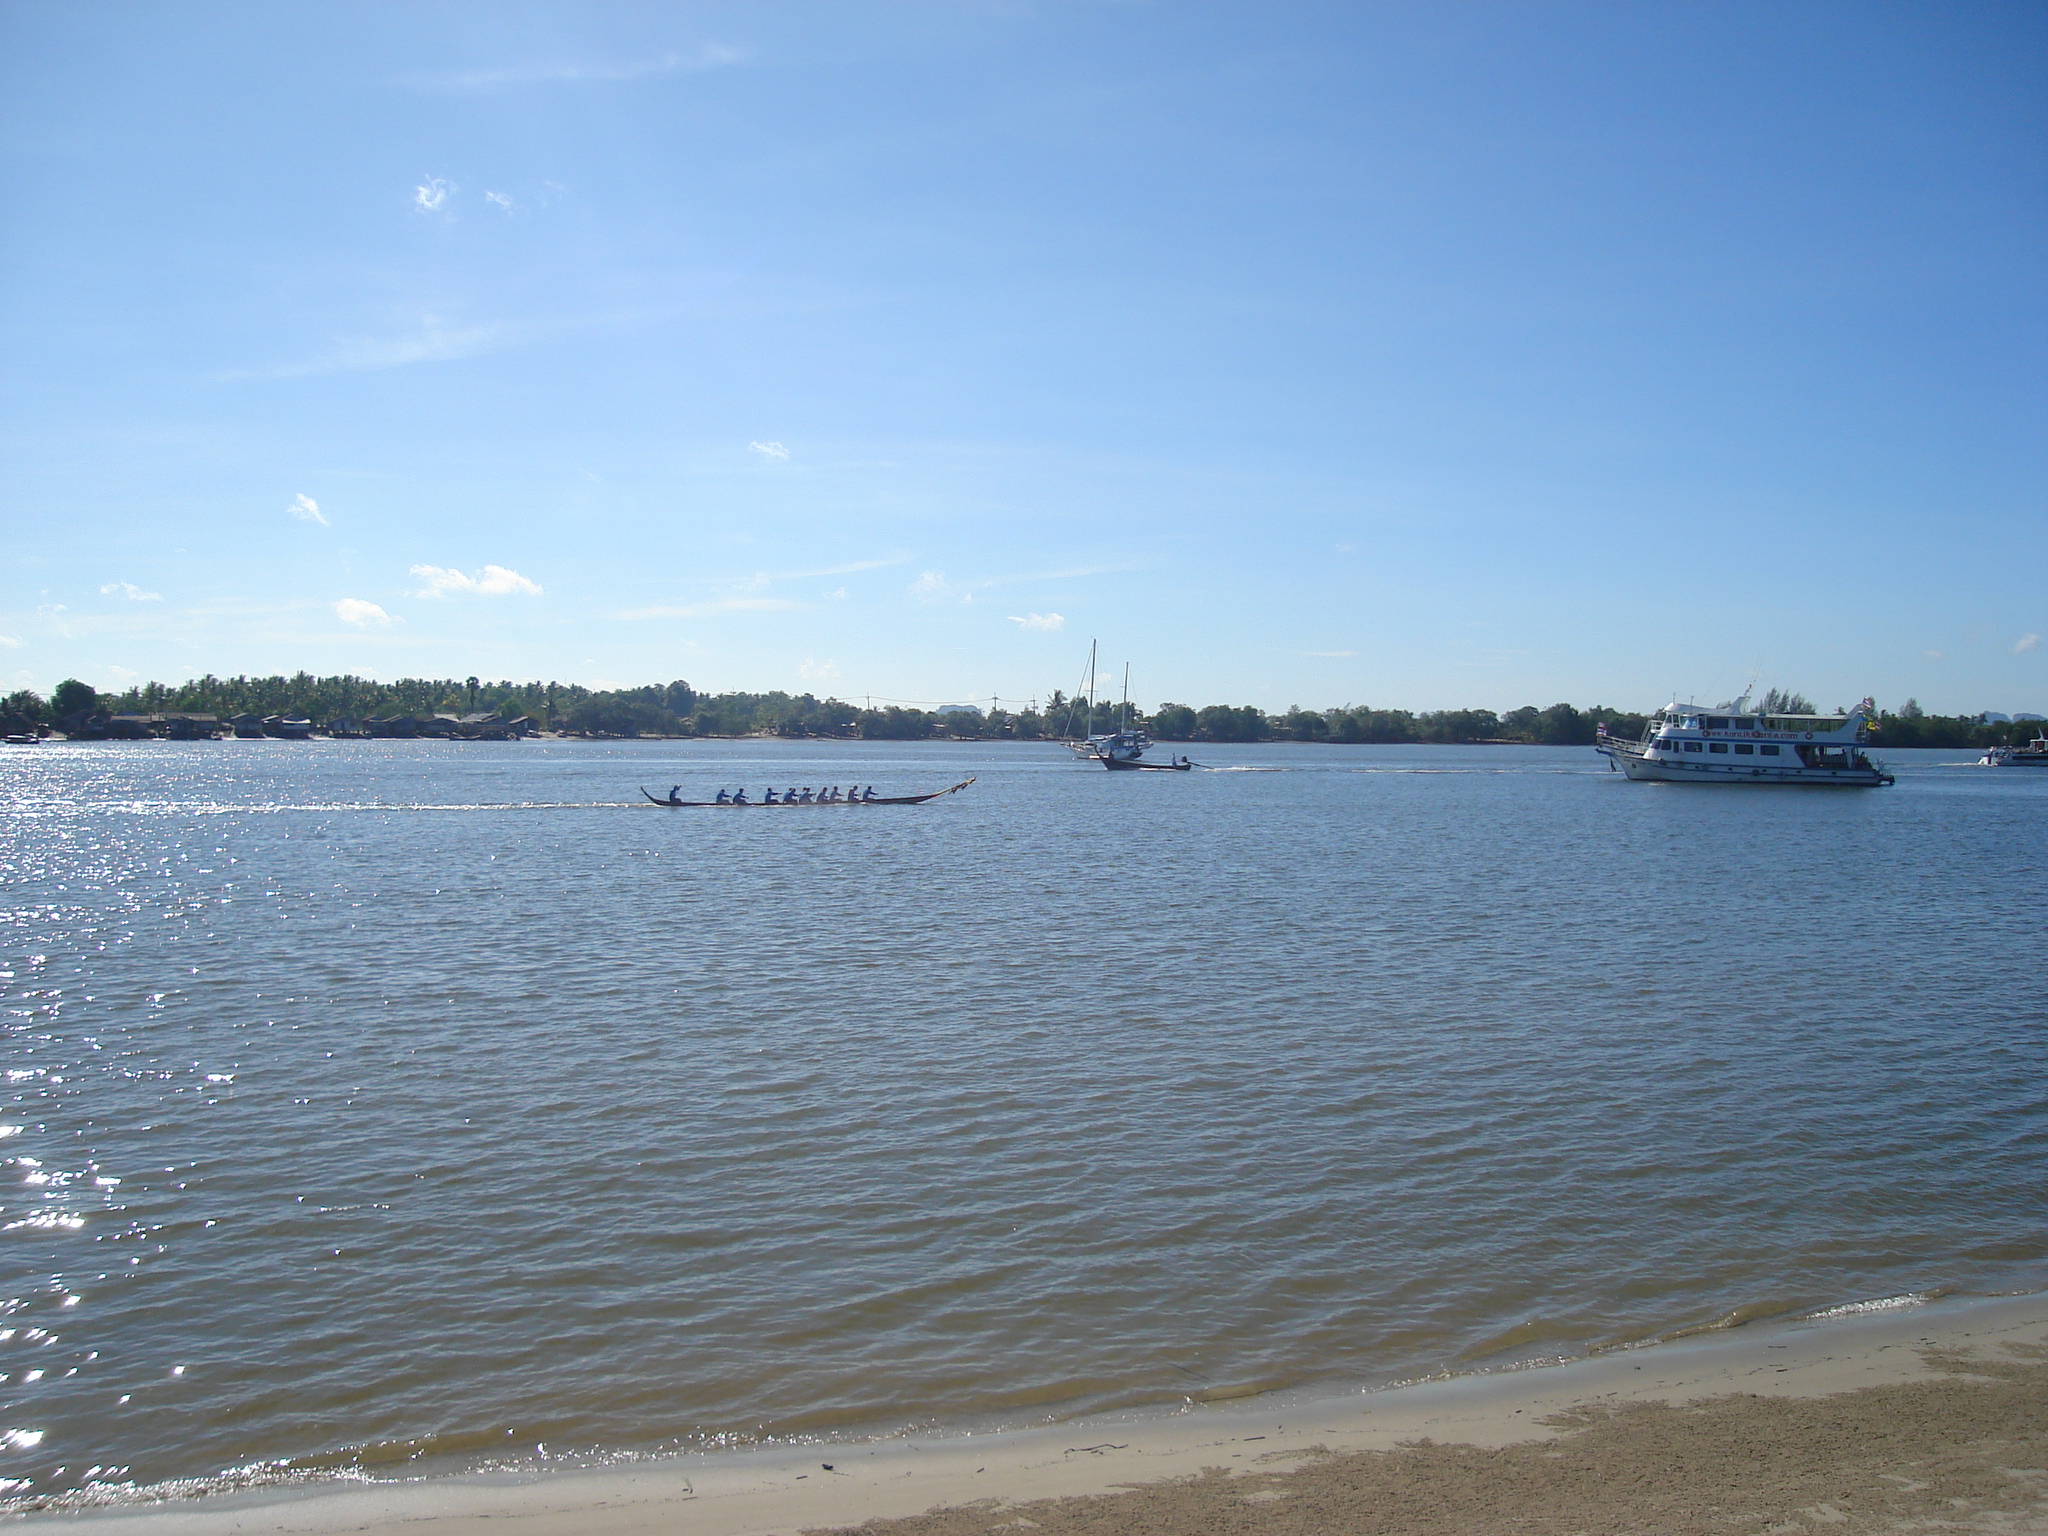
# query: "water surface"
400,1105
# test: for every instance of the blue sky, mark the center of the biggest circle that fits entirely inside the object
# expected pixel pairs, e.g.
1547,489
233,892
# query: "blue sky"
1418,355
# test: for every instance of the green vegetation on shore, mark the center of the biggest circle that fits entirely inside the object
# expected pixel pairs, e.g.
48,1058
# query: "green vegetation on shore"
677,709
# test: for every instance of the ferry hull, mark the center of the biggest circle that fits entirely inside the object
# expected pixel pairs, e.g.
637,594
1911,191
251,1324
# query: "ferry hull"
1650,770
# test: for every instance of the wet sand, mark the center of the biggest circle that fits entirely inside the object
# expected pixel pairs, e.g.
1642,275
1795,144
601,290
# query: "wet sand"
1925,1418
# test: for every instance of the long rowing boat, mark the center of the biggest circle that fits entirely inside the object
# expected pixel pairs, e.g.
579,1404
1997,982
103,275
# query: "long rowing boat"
776,805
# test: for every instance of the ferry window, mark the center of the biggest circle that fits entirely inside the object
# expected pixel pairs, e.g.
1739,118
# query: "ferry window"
1768,750
1745,725
1744,749
1716,724
1692,746
1717,746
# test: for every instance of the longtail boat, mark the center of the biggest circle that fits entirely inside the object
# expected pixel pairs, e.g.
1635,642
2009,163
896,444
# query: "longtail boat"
1123,764
776,805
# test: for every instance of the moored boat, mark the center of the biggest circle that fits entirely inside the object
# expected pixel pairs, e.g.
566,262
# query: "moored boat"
1120,748
1116,749
1689,744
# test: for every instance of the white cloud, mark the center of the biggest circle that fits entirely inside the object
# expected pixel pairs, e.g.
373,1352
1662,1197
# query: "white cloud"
431,194
818,671
307,510
1014,578
500,198
723,605
353,610
2024,644
831,570
703,56
742,594
770,451
431,342
12,643
491,581
1330,654
1936,655
129,590
1045,621
932,587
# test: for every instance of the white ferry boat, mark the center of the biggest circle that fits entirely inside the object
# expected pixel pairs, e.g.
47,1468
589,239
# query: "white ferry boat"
1689,744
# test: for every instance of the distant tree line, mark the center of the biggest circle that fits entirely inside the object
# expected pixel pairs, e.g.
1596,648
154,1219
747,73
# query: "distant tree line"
677,709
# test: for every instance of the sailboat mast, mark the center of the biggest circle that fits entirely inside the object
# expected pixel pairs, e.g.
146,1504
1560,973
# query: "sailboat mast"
1091,687
1124,710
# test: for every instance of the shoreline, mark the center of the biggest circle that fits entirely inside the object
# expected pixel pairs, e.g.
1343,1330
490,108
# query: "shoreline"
834,1485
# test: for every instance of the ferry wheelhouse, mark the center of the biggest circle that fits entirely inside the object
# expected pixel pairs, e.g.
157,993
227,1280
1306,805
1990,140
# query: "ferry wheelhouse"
1687,744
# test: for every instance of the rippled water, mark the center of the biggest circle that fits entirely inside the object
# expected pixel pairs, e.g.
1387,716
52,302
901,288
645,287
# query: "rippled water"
411,1100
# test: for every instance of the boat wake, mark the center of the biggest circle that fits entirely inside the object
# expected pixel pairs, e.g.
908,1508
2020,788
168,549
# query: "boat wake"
221,808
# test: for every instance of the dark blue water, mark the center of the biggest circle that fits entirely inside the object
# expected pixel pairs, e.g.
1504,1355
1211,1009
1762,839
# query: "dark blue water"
400,1105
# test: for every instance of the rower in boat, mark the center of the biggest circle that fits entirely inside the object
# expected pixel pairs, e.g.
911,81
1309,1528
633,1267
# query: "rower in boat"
808,795
675,794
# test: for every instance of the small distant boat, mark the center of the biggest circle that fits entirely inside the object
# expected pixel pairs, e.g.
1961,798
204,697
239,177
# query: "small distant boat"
2033,755
1689,744
778,804
1122,764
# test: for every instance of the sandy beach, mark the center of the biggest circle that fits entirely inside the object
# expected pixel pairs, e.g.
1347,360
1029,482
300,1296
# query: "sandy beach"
1921,1417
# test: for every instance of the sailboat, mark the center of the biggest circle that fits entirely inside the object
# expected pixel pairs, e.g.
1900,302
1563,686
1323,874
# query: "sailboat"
1123,747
